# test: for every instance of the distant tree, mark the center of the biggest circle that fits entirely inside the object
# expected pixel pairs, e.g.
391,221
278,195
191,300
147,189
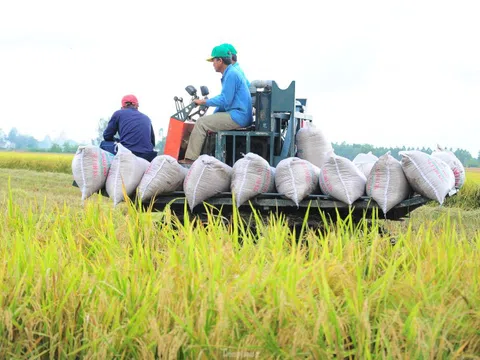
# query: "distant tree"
160,146
30,142
55,148
3,139
463,155
23,142
472,163
69,147
12,135
426,150
350,151
46,143
101,126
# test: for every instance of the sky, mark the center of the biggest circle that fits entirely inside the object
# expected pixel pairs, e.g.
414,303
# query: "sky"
386,73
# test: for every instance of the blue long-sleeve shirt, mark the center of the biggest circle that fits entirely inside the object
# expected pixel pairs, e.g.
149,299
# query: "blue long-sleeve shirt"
235,97
134,128
239,69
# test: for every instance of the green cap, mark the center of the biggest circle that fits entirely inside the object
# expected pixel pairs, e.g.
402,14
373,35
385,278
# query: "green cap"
220,51
231,48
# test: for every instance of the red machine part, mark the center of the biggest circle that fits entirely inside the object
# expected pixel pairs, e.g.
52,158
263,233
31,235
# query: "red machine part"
177,138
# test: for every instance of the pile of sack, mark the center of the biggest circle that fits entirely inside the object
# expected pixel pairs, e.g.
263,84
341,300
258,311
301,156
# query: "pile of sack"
315,170
386,180
121,175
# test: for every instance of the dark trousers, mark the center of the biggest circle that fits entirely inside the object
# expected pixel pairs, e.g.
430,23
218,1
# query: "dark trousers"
108,146
111,148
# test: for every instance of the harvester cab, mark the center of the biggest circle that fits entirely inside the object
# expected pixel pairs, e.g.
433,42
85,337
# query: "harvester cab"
278,116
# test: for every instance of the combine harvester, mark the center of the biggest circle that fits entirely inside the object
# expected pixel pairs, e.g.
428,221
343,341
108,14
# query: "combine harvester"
281,164
279,116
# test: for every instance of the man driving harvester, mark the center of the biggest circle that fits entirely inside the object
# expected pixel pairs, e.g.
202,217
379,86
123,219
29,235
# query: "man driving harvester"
233,107
235,63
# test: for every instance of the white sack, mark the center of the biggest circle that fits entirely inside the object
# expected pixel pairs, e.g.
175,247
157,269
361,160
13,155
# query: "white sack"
312,145
164,175
454,163
90,167
341,179
252,175
428,175
387,184
296,178
206,177
126,171
365,162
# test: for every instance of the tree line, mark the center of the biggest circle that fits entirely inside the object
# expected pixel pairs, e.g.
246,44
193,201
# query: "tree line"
17,141
13,140
351,150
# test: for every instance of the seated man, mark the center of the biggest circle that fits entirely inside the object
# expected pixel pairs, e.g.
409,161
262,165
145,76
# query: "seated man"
233,105
134,128
235,63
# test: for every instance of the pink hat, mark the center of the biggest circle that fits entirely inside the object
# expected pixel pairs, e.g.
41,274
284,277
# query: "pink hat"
129,99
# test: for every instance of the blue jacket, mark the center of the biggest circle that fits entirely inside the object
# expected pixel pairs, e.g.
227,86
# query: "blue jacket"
235,97
134,128
239,69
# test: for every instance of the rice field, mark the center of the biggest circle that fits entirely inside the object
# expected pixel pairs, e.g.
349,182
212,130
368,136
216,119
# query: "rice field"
58,163
87,280
473,174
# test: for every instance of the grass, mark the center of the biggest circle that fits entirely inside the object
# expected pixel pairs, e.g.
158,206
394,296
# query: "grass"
92,281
